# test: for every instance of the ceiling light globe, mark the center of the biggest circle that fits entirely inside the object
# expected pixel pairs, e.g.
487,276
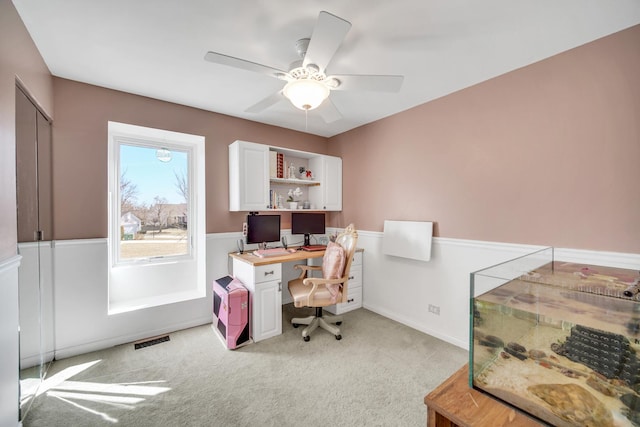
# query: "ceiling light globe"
306,94
163,155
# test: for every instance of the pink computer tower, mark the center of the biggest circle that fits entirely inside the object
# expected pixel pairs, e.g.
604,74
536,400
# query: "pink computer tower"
231,311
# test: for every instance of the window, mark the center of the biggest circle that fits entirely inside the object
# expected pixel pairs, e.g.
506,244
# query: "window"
156,217
154,197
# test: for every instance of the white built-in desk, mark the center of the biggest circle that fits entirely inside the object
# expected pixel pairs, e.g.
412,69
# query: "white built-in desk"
263,278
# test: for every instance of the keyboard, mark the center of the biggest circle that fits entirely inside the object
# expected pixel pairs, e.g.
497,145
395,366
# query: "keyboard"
313,248
262,253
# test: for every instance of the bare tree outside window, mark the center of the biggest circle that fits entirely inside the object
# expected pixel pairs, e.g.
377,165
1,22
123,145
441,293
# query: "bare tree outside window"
158,214
128,194
182,185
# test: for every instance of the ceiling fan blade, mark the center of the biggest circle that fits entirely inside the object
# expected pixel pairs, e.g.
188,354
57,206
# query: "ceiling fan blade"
329,112
372,83
267,102
230,61
325,40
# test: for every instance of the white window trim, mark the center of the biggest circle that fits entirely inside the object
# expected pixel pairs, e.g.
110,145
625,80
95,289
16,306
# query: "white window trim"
136,285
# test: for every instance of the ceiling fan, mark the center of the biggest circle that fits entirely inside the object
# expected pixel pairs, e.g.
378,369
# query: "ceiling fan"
308,84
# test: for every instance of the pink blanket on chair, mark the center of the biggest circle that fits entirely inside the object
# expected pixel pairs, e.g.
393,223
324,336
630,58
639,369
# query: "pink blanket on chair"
333,265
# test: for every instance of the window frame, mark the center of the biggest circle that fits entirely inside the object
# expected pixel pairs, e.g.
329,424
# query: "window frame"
116,211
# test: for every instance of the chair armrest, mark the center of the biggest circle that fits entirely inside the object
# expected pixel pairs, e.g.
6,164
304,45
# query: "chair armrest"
318,281
305,268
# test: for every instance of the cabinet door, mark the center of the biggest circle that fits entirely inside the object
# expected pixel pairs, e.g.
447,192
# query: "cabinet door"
332,183
267,310
328,195
248,176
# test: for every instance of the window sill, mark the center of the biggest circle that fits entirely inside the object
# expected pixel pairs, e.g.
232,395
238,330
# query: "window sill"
119,307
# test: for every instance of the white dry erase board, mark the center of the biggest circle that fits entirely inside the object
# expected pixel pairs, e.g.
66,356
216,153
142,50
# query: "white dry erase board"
408,239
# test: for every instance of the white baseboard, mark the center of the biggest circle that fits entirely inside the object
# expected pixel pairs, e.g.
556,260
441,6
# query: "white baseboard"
63,353
417,326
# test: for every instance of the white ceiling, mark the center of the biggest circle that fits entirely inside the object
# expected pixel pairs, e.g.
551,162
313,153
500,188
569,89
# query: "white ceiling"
156,48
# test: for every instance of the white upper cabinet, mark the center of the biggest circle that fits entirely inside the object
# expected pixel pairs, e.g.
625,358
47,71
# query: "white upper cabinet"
261,177
248,176
330,174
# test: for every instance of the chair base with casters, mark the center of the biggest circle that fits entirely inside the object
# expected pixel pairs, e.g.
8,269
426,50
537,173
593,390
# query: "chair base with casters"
321,320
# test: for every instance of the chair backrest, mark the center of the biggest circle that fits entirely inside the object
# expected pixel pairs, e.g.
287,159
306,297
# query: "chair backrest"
348,240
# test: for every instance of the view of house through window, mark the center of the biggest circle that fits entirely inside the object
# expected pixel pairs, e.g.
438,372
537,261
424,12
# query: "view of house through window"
154,201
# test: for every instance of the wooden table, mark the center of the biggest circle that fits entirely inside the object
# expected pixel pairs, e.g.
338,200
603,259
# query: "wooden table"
454,403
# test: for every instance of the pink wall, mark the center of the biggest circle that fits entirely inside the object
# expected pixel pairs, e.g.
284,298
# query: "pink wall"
548,154
80,152
20,59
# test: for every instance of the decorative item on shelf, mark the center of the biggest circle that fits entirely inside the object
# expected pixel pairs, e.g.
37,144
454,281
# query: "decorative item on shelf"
292,171
302,171
294,194
308,174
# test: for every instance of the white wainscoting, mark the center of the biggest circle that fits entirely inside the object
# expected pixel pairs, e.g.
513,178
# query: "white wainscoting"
9,354
397,288
82,323
403,289
81,299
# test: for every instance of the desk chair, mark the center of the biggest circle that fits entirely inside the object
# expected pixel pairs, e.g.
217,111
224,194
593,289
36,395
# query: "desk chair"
328,290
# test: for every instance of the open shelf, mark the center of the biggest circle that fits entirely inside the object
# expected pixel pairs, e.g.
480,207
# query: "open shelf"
307,182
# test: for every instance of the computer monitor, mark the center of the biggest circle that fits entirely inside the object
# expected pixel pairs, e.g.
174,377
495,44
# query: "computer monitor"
307,224
263,228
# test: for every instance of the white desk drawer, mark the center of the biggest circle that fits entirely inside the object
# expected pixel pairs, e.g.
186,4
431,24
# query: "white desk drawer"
355,277
357,259
267,273
354,299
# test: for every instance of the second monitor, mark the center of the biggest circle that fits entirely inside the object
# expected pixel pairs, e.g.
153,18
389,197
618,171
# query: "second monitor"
307,224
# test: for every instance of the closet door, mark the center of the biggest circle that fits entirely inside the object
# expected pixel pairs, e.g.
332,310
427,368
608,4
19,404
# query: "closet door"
34,217
33,171
26,168
45,205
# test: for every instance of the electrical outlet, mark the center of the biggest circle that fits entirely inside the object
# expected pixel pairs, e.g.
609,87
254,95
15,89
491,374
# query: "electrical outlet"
434,309
244,228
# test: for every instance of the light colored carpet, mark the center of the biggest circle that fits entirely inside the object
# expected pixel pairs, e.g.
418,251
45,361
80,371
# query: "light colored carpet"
377,375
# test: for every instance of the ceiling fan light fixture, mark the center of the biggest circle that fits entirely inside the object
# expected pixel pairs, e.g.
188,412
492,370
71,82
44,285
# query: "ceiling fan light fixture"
312,68
306,94
332,82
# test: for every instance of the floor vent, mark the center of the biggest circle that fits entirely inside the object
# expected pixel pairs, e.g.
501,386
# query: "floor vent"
150,341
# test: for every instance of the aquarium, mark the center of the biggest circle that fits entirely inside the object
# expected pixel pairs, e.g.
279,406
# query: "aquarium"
558,340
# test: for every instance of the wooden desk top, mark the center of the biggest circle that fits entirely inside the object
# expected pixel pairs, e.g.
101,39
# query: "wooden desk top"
300,255
465,406
254,260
